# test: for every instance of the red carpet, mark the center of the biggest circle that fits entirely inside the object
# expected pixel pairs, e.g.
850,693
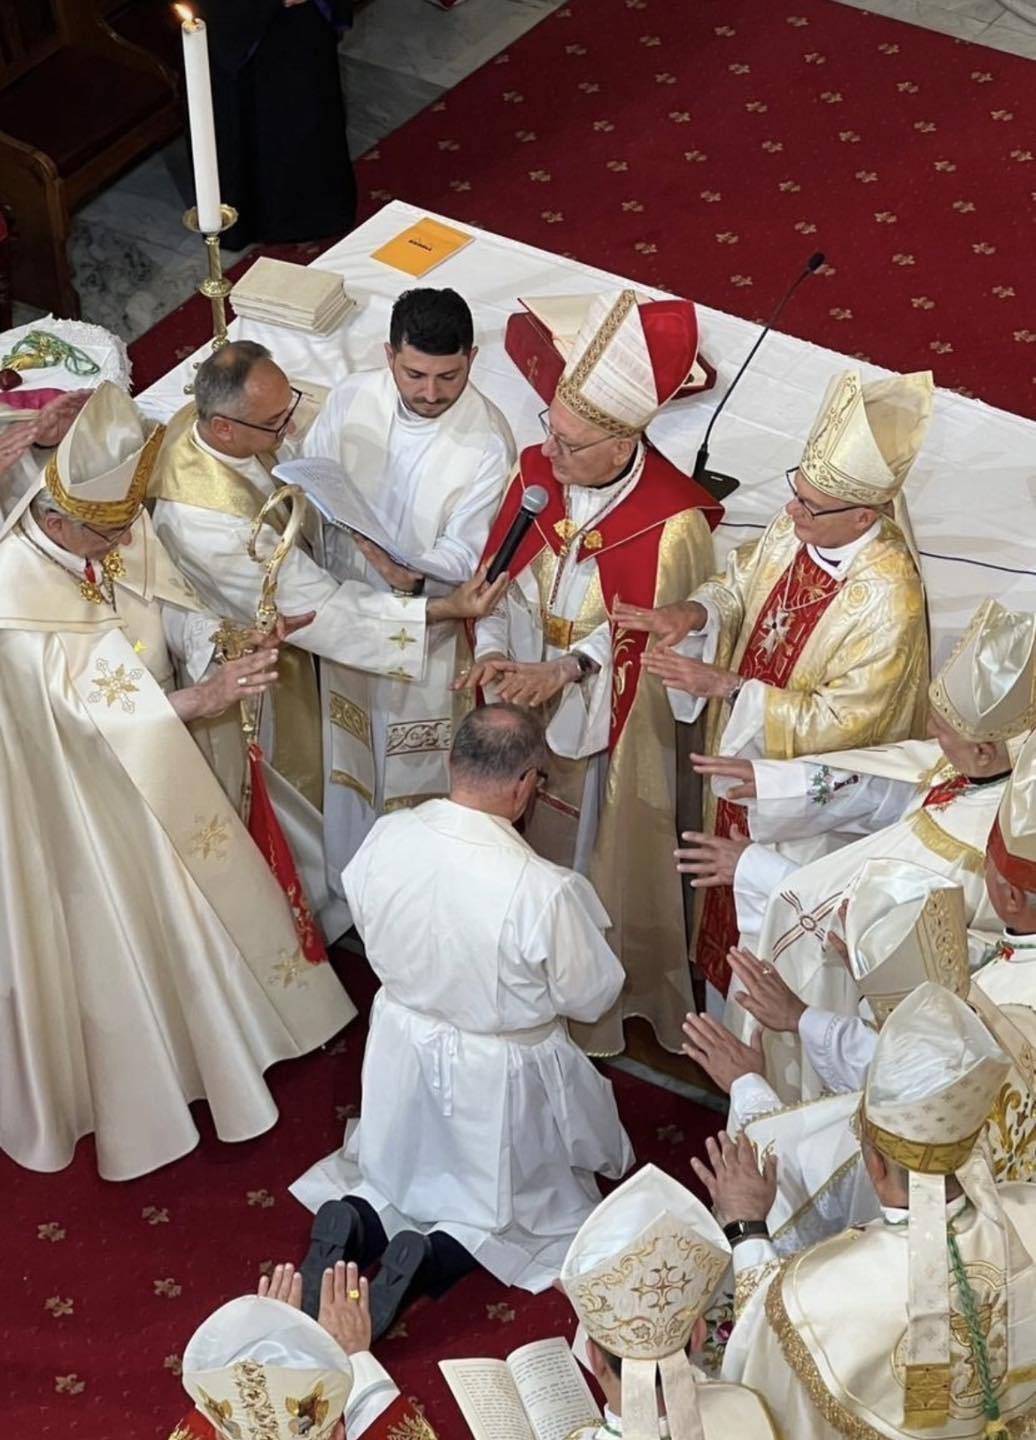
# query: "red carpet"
707,148
105,1283
711,147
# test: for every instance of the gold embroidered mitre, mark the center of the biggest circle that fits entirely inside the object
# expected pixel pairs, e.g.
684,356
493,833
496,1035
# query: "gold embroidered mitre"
639,1273
261,1370
866,437
987,688
100,472
905,925
1012,840
930,1088
628,360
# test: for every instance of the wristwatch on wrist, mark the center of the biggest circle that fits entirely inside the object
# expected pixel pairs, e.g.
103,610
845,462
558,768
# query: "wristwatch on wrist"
586,666
739,1230
412,594
733,694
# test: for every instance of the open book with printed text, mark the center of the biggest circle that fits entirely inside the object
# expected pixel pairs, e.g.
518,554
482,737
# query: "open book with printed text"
537,1393
339,502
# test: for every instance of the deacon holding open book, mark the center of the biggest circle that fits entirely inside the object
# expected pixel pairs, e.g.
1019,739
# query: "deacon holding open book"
621,524
212,477
429,455
482,1123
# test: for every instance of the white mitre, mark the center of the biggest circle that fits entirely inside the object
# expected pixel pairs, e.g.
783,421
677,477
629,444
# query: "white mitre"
261,1370
987,688
904,925
628,360
99,474
1012,840
866,437
930,1089
639,1273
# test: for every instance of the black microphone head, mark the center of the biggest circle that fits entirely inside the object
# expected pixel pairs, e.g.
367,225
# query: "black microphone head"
814,262
535,500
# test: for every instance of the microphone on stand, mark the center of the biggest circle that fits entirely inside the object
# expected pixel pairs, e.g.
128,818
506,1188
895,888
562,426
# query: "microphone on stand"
717,484
534,501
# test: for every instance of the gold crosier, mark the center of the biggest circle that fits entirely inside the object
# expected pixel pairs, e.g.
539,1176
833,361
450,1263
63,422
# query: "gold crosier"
234,639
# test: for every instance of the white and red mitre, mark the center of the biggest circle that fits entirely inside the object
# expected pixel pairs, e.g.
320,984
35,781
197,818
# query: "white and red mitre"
261,1370
1012,840
628,360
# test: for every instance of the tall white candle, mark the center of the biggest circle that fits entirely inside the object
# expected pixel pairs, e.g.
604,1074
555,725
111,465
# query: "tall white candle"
203,128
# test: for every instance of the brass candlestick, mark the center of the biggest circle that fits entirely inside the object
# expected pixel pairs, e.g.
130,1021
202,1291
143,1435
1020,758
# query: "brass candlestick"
215,287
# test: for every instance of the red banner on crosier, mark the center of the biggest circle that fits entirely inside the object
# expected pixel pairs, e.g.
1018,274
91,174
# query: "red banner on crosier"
265,830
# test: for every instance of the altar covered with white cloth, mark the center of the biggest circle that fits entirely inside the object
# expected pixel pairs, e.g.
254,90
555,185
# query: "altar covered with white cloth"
970,496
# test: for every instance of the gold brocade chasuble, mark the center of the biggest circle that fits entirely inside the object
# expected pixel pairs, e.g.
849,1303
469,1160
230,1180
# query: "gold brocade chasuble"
857,675
186,474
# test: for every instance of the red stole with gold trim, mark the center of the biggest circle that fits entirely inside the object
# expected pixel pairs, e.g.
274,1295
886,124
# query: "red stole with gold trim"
624,544
784,624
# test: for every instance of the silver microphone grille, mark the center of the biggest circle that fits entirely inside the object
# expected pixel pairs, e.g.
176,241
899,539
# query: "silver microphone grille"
535,499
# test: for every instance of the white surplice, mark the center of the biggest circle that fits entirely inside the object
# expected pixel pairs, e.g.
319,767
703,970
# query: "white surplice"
437,485
148,958
480,1117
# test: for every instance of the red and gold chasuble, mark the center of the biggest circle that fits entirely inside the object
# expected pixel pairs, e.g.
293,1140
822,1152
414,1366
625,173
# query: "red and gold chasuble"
625,544
401,1421
785,623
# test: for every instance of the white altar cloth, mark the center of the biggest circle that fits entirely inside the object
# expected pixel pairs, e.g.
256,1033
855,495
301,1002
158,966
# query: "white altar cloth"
971,495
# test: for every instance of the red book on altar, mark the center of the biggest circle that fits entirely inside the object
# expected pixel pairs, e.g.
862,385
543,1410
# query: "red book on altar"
538,339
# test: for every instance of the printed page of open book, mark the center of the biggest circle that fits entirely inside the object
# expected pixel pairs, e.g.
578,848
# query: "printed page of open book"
538,1393
338,501
550,1383
488,1399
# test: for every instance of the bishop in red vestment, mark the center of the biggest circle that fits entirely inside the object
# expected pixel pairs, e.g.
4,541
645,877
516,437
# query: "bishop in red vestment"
621,523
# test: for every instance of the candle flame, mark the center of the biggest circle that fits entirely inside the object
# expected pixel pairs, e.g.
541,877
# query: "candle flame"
185,13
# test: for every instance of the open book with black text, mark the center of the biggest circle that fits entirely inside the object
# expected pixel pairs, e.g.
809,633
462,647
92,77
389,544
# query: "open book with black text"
339,502
537,1393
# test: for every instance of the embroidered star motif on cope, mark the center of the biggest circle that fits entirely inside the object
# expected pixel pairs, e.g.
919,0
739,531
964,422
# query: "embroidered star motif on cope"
113,686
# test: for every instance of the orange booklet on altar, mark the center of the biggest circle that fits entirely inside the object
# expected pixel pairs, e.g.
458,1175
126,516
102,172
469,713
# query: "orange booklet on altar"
423,246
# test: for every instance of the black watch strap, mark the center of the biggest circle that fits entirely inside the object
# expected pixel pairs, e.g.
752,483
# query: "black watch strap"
746,1230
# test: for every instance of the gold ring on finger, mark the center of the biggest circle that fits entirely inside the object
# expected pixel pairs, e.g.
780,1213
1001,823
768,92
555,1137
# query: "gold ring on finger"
354,1294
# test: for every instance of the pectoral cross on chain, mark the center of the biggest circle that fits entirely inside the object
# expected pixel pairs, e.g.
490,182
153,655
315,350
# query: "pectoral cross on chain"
776,628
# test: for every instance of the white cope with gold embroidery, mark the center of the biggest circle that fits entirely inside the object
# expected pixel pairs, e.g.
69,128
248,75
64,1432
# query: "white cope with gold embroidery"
149,959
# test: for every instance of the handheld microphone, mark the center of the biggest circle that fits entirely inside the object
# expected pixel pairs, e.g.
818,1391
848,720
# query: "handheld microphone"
533,502
720,486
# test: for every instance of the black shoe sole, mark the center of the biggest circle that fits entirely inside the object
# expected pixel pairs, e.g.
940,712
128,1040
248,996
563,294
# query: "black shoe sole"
336,1235
401,1263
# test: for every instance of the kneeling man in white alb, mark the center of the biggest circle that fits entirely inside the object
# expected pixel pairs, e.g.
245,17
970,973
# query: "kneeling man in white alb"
482,1124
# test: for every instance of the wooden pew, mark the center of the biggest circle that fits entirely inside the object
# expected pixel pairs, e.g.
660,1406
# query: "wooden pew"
78,105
